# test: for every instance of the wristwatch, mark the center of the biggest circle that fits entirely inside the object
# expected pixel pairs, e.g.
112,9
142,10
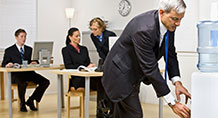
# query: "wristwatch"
172,103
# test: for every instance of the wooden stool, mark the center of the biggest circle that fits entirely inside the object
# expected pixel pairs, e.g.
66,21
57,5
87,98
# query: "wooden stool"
30,85
77,93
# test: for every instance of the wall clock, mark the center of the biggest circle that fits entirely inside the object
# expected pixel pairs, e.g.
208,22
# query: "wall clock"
124,7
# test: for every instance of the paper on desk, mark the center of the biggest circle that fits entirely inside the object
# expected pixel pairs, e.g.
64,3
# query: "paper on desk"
70,70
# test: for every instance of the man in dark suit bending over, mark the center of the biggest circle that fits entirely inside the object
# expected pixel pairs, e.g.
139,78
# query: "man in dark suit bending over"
134,59
16,54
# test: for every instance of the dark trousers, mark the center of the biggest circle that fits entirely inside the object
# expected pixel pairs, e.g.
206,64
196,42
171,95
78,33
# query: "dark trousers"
130,107
21,79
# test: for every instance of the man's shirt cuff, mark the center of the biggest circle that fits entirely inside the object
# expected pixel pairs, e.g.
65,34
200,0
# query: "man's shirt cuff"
175,79
169,99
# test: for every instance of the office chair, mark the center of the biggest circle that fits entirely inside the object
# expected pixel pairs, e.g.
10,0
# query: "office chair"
76,93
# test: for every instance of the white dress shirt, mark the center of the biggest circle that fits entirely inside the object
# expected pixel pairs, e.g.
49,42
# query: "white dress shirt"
18,47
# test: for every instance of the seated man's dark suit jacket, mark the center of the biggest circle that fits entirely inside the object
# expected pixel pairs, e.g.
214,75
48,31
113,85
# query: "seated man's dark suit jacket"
102,47
134,58
13,55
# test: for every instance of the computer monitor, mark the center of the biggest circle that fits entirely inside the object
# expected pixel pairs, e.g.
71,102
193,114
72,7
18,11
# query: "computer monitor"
42,52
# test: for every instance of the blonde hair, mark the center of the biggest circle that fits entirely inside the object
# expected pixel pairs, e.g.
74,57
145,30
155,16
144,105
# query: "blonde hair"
99,21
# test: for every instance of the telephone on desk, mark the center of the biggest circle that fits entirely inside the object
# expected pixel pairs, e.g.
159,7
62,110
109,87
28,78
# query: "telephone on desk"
17,65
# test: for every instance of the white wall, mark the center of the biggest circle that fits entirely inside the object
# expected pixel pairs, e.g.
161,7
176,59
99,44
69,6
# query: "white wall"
204,9
85,10
17,14
53,26
186,34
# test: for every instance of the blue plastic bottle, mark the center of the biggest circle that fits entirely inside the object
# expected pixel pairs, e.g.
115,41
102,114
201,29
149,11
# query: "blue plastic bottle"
208,46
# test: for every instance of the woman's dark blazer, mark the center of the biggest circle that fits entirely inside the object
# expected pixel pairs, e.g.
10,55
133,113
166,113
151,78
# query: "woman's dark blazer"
102,47
73,59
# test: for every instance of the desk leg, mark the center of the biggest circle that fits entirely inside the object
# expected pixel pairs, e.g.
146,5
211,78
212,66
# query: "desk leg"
2,86
62,93
161,104
60,79
160,108
9,95
87,92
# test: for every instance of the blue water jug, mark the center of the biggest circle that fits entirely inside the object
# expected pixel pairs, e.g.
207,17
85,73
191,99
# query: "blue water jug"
207,46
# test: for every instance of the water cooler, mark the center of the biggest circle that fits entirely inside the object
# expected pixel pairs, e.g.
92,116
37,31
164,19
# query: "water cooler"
208,46
205,82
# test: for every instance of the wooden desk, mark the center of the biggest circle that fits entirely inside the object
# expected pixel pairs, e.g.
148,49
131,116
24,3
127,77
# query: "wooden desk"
87,76
9,70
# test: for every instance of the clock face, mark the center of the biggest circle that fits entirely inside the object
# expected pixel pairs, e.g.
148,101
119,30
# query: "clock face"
124,7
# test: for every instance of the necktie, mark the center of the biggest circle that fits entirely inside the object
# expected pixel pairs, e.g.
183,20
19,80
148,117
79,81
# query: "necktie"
166,54
22,54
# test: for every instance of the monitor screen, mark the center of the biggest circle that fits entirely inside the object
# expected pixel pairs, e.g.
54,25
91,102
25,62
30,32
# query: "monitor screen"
38,46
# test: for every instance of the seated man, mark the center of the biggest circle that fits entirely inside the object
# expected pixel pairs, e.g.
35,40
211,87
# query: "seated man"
16,54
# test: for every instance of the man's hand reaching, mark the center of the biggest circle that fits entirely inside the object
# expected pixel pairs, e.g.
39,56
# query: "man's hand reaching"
181,110
180,89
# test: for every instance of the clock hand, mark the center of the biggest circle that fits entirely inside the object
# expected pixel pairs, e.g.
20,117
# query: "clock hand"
123,7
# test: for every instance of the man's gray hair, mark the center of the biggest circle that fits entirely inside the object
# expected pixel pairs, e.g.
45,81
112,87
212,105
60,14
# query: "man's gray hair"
177,5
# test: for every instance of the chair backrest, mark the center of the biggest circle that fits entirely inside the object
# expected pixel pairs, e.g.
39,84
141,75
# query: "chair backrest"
69,87
2,52
29,85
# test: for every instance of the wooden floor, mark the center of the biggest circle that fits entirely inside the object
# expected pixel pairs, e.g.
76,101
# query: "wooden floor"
48,109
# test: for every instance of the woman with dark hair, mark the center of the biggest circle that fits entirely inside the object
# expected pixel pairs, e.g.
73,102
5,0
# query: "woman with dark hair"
75,55
70,32
100,36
